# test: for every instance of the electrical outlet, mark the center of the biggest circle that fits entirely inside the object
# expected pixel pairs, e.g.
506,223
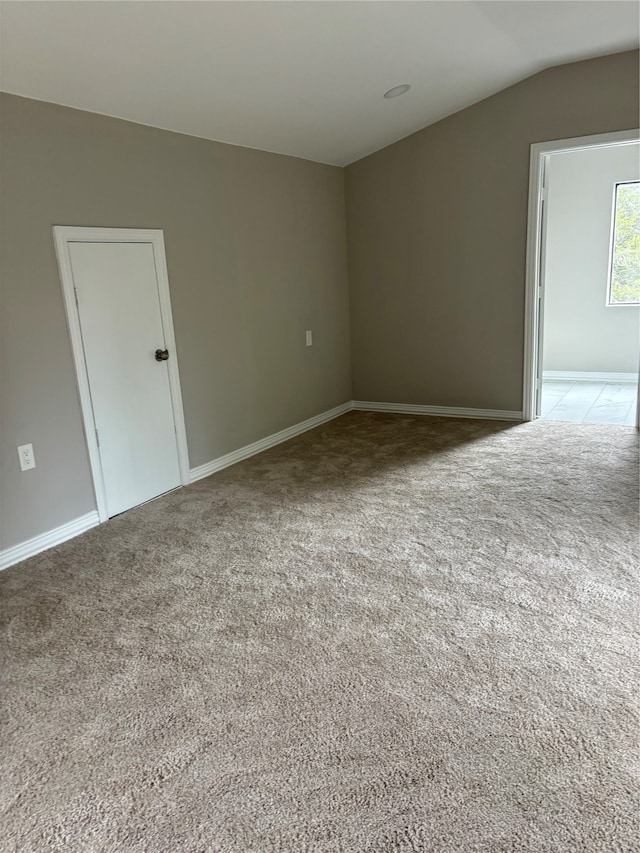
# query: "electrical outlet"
26,457
309,338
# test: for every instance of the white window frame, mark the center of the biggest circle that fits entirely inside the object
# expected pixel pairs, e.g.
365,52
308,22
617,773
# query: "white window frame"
612,244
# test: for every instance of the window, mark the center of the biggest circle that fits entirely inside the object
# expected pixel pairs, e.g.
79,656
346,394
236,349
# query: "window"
624,270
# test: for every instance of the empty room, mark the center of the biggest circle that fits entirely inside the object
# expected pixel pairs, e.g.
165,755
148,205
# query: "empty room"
319,448
590,327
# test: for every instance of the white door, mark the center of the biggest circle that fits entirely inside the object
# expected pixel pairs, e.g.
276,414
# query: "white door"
537,410
118,303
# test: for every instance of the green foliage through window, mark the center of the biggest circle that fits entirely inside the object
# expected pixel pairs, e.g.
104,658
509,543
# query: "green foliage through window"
624,285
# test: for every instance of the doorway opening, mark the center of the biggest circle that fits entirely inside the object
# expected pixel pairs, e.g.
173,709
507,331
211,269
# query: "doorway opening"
582,310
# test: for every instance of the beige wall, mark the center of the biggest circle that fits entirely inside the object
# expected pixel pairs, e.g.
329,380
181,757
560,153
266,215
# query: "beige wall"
437,232
256,251
581,332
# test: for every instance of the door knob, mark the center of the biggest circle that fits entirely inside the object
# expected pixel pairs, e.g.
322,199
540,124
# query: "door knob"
162,354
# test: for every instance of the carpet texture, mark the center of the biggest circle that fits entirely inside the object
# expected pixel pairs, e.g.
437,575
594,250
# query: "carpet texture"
390,634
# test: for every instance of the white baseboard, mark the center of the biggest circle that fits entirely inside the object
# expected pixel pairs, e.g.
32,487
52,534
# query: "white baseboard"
20,552
586,376
48,540
265,443
438,411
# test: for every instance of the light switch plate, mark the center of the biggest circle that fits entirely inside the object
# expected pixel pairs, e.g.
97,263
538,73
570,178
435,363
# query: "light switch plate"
309,338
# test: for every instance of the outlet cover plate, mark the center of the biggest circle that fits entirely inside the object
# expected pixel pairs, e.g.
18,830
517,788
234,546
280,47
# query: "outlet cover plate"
26,457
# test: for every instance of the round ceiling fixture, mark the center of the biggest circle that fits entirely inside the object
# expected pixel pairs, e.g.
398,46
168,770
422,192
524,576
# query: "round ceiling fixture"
397,90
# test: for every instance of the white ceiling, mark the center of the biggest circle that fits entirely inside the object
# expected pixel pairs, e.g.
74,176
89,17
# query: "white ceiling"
299,78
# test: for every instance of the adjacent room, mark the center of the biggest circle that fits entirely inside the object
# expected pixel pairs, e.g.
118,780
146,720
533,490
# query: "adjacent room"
591,328
319,486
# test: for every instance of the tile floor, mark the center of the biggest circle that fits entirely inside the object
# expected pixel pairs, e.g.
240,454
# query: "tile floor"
589,402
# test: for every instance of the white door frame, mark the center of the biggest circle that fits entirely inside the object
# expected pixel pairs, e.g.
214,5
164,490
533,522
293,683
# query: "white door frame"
63,235
534,282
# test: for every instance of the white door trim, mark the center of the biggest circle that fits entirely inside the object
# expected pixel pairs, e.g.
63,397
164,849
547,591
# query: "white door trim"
534,281
63,235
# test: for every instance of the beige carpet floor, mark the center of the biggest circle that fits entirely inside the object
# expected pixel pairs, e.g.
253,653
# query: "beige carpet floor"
390,634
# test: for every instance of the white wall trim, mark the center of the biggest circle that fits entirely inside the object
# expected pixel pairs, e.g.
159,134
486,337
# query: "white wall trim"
63,235
437,411
534,275
265,443
49,539
586,376
91,519
358,405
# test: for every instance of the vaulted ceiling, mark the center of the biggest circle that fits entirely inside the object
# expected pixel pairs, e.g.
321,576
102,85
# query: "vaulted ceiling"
299,78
